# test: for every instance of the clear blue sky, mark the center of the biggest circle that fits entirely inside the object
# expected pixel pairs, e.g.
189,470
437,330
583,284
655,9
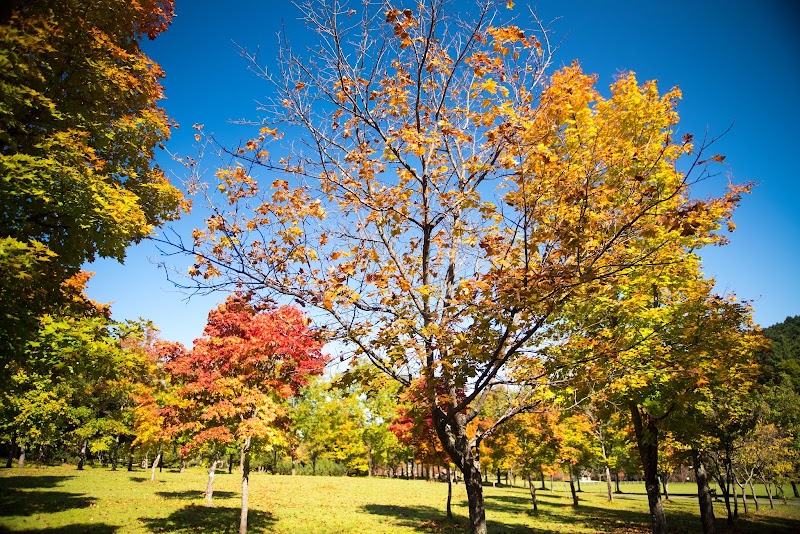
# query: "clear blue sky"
735,61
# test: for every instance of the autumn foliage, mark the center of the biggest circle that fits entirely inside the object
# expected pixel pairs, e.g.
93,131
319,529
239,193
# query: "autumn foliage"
237,374
454,199
79,126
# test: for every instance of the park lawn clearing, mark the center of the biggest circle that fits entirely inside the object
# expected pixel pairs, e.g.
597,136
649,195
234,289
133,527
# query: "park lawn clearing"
64,500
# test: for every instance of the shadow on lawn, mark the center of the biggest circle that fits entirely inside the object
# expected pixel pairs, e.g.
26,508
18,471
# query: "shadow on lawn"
200,519
27,503
758,525
80,528
553,510
420,518
601,518
194,494
32,482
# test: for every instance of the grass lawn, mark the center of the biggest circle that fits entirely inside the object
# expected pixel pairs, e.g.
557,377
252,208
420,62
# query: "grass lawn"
65,501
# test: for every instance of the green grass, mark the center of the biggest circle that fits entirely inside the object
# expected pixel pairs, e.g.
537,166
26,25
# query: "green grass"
65,501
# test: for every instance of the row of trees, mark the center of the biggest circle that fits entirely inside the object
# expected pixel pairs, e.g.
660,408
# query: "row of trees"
94,386
106,390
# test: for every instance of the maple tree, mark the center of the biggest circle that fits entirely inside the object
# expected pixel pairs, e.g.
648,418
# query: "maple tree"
413,425
79,123
575,447
330,424
539,444
659,344
378,397
158,410
235,377
450,199
610,430
76,390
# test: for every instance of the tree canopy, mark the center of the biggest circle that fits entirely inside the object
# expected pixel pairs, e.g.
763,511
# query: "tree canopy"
444,196
79,123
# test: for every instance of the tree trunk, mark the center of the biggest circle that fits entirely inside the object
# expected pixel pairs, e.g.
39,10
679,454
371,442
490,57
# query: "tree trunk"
245,462
82,455
753,493
155,465
769,493
795,491
572,486
744,497
533,494
13,446
21,459
114,452
664,482
183,464
449,492
477,509
616,483
498,476
726,497
130,459
779,491
608,484
212,469
721,476
647,442
704,494
544,486
452,433
294,466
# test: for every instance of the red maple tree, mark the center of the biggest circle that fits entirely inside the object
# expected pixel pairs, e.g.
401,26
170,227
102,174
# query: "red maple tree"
248,360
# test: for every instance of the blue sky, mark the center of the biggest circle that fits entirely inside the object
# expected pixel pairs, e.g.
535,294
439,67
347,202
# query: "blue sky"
736,62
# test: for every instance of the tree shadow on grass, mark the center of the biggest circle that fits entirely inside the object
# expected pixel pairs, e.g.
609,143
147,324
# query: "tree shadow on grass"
194,494
27,503
759,525
200,519
553,509
420,518
32,482
79,528
602,518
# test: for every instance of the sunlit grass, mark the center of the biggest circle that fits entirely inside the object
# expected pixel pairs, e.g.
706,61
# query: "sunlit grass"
64,500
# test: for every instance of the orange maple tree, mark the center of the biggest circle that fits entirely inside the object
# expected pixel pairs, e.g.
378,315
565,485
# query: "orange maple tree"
443,197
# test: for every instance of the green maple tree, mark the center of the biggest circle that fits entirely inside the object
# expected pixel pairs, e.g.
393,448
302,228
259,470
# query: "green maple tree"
79,123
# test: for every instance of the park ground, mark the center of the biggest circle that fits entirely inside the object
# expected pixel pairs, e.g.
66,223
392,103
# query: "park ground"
66,501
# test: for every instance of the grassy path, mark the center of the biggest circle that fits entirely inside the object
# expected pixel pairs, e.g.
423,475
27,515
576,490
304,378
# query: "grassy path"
65,501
